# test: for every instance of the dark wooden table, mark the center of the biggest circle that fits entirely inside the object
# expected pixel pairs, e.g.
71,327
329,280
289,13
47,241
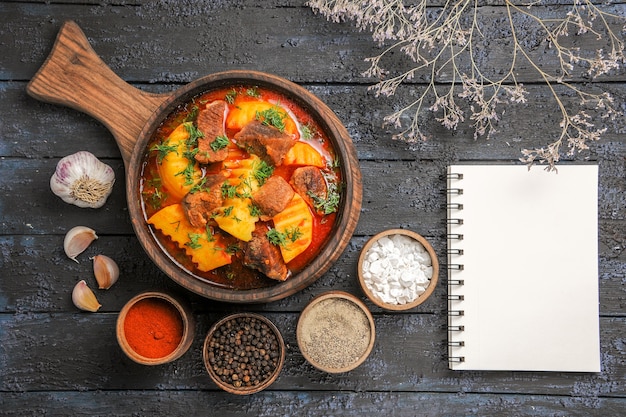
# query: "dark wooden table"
55,360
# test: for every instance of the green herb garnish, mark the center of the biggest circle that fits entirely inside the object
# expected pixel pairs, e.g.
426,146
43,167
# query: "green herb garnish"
273,116
276,238
194,240
188,173
230,96
194,134
330,203
229,191
209,234
253,92
254,210
156,198
193,114
283,238
163,149
307,132
232,249
199,186
220,142
177,223
262,172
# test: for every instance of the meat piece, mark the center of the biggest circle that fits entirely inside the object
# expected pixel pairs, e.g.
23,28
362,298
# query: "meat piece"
273,196
263,256
309,182
211,123
199,205
267,142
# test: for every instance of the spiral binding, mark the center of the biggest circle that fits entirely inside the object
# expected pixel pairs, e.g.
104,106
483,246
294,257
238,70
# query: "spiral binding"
453,221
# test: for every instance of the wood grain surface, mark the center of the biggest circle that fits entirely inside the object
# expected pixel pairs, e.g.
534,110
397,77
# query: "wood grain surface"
58,361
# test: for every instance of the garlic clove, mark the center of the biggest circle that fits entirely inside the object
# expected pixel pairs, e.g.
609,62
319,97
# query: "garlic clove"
84,298
77,240
83,180
106,271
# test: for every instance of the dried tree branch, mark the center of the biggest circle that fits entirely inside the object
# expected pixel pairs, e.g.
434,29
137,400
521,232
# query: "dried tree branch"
438,39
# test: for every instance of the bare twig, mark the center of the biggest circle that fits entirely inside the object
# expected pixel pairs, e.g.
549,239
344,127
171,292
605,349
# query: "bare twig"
438,39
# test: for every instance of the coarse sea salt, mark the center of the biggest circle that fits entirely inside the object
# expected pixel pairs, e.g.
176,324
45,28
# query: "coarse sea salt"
397,269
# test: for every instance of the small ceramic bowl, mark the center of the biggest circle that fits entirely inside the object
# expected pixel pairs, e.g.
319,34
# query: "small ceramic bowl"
154,328
243,353
402,260
335,332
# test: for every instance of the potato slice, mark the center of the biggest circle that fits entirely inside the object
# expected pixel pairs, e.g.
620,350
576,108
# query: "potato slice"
296,218
206,252
245,111
178,174
235,218
303,154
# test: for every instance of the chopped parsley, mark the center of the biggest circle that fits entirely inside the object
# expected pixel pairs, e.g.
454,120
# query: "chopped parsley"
245,188
209,234
232,249
230,96
199,186
194,134
254,210
177,223
262,172
156,198
276,238
328,205
253,92
229,191
188,173
220,142
194,239
190,154
193,114
163,149
307,132
273,116
283,238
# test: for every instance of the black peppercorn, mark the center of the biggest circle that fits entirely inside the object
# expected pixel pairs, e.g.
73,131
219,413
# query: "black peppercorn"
248,352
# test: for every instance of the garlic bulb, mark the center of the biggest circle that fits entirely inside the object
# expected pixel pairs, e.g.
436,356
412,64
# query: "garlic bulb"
84,298
106,271
81,179
77,240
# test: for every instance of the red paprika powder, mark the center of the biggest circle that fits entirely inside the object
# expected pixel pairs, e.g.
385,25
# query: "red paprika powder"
153,328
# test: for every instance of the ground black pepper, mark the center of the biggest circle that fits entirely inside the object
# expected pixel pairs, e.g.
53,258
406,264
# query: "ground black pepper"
335,333
243,352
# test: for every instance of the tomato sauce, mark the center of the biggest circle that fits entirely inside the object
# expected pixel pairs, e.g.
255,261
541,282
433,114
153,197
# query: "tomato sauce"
155,196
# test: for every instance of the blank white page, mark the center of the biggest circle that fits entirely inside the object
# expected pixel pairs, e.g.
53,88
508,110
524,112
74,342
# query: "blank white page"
530,268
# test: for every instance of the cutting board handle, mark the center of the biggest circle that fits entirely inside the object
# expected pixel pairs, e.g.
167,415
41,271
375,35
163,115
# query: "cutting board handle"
74,75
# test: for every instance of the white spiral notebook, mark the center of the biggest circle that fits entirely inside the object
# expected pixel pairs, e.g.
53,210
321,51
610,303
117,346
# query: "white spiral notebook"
523,268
